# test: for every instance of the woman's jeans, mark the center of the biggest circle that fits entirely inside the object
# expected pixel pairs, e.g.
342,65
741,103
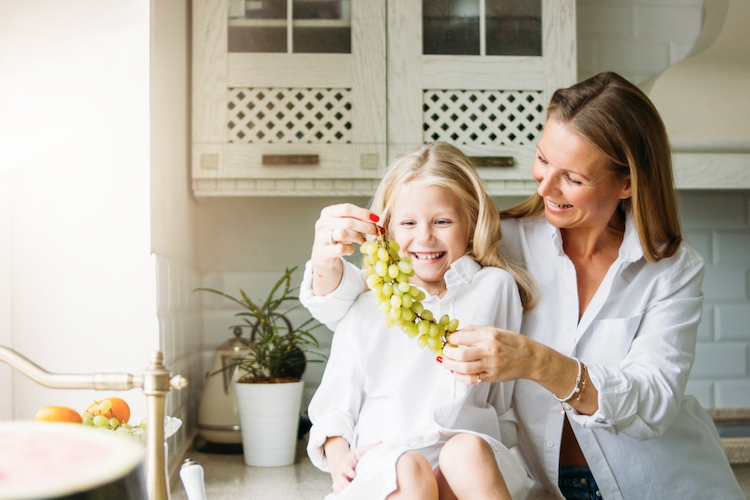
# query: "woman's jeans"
577,483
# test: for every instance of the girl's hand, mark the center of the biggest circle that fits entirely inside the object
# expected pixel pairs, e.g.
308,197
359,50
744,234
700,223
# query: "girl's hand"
489,354
336,231
342,466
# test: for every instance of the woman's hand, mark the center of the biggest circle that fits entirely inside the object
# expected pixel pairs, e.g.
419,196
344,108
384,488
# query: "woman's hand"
489,354
336,231
493,355
342,465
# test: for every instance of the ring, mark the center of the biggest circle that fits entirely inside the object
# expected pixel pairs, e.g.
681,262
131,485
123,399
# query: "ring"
479,379
330,238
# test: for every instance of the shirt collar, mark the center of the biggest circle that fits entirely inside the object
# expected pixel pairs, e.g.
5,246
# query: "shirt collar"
631,249
462,271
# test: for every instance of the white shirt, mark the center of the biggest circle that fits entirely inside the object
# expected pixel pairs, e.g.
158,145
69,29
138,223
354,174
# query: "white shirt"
637,338
378,385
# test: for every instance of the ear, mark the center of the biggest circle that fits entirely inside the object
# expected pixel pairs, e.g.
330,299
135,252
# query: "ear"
626,188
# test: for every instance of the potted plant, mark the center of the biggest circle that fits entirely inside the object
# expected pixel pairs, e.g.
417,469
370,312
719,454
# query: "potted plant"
268,384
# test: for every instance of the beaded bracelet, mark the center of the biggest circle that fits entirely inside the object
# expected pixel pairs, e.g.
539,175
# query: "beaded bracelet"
580,392
576,388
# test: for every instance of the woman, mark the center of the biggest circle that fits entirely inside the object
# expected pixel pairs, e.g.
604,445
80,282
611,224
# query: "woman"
605,355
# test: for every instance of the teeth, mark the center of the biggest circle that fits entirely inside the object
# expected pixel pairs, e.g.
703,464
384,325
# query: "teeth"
428,256
555,205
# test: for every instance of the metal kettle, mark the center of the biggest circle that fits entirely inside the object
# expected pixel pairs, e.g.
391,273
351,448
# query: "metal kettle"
218,416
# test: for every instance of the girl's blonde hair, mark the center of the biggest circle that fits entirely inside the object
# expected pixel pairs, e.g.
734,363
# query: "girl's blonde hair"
618,119
441,164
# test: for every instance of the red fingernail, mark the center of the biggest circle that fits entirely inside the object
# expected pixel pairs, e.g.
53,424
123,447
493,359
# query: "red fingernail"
439,359
381,230
374,218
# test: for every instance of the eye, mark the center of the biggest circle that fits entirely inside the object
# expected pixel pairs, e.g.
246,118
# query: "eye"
442,222
572,180
541,158
408,223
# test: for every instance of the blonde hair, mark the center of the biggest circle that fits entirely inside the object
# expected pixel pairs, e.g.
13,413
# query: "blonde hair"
441,164
619,120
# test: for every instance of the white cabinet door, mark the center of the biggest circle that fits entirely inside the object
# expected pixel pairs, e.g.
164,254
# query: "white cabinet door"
491,106
272,113
277,113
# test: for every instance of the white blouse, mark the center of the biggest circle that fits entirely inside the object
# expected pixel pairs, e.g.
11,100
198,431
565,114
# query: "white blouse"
637,338
378,385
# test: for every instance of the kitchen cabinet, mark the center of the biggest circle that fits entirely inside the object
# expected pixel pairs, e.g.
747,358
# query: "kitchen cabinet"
316,97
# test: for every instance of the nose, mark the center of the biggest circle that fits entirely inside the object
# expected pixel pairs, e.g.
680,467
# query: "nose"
425,233
546,182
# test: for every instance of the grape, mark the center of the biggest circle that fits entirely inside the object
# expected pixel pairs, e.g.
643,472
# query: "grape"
101,421
400,302
105,406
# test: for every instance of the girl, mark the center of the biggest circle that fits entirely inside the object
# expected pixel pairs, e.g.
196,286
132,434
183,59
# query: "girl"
388,421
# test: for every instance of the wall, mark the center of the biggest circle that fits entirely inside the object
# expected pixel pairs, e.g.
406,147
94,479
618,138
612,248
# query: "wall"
76,160
247,242
635,38
174,210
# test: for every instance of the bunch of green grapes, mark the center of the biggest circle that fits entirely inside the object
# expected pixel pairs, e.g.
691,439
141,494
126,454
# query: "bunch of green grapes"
388,279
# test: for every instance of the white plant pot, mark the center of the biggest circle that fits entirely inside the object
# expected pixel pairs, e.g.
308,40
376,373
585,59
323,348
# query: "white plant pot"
269,419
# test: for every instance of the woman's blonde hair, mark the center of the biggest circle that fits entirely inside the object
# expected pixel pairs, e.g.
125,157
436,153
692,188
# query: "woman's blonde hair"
619,120
441,164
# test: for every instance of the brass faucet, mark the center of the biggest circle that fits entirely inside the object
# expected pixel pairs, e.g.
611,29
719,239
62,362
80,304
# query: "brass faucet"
156,384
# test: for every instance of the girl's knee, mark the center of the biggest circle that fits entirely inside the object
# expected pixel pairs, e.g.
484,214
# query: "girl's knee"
464,448
413,464
415,477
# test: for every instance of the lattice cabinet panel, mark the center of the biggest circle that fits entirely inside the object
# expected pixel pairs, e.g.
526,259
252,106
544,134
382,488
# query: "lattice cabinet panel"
483,117
289,115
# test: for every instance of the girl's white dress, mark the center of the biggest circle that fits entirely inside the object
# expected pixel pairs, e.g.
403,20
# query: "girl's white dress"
379,385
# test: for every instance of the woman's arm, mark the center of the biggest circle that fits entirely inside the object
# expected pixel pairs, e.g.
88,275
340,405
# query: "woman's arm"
502,355
639,394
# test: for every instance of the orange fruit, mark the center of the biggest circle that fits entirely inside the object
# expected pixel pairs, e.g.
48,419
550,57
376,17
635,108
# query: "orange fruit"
52,413
110,407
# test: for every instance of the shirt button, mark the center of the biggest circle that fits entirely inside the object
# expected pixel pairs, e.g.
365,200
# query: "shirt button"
550,443
567,329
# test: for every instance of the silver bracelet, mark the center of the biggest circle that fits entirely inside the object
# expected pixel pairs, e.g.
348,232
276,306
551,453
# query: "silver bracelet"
576,388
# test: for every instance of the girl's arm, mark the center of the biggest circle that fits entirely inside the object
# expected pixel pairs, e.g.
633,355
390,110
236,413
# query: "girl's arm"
334,408
336,231
330,285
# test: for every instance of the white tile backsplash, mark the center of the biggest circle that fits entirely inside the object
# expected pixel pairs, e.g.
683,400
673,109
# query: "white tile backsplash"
732,322
180,334
733,393
717,226
720,360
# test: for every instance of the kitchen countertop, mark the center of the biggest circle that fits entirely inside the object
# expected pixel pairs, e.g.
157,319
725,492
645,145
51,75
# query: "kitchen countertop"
227,477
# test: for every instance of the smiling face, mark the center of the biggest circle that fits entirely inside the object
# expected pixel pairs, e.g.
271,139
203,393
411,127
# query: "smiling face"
578,189
432,227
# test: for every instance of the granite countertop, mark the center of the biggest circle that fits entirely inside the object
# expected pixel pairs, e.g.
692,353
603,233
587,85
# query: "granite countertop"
734,427
227,476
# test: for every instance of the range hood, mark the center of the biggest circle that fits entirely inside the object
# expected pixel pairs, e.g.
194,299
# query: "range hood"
704,101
